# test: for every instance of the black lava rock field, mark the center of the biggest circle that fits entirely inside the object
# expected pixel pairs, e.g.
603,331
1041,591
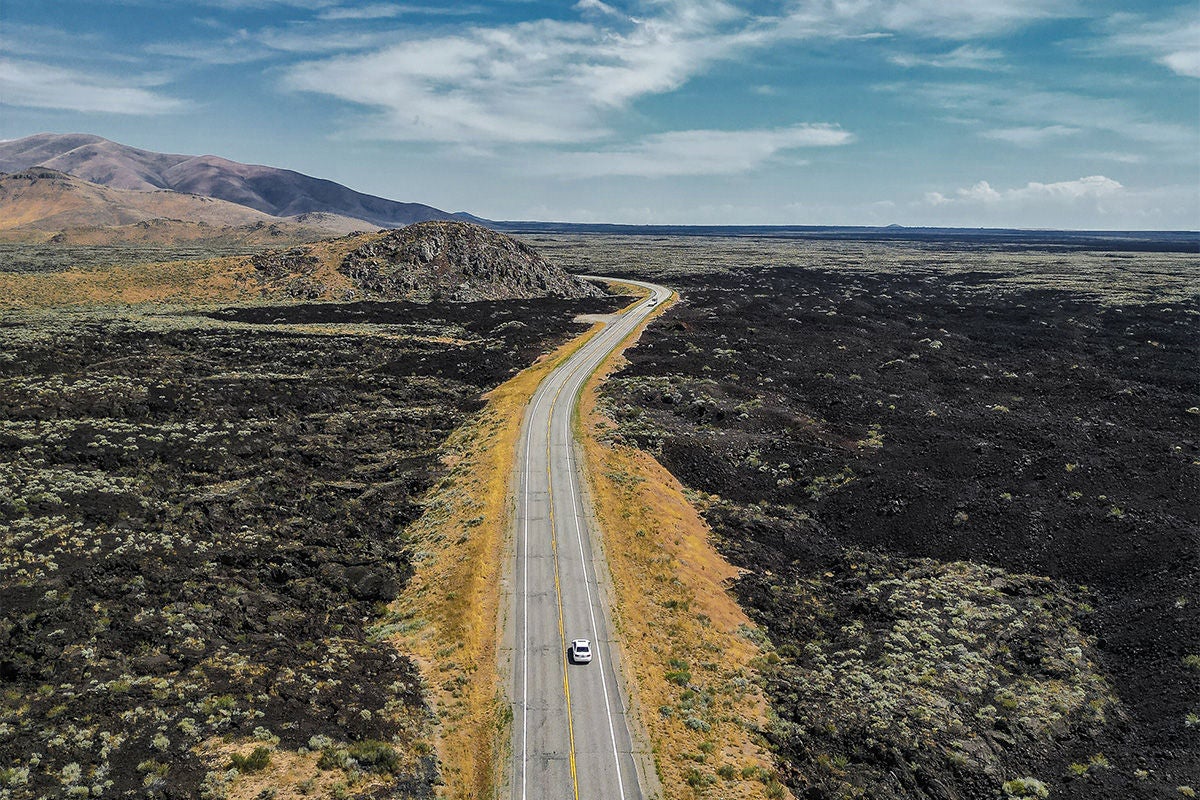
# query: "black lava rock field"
200,518
965,501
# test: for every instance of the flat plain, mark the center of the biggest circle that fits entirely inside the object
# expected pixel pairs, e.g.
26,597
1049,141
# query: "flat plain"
960,483
956,481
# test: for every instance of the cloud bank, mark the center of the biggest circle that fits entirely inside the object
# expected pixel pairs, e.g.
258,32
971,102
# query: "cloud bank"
556,81
1091,202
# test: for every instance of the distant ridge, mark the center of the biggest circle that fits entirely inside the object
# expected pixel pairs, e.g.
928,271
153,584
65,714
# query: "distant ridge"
41,198
273,191
41,204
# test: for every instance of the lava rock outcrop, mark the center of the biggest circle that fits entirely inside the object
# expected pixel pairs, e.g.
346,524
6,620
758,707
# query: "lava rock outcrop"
457,261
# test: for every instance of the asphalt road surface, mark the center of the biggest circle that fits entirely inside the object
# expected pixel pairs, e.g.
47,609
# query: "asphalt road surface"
571,738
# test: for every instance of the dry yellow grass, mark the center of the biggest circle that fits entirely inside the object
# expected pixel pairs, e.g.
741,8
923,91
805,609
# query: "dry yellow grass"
218,280
290,775
448,614
674,615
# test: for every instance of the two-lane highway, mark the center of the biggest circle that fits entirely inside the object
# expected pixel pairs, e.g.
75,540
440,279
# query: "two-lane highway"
571,738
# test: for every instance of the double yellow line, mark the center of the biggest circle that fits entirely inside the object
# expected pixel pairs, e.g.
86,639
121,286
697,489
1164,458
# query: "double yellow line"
562,636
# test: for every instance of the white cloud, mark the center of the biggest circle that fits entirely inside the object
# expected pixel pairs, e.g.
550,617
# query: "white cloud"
239,47
46,42
1023,114
697,152
962,19
369,11
598,7
372,11
1184,62
1092,202
309,40
555,81
239,5
1096,113
963,57
1174,43
1121,158
540,81
1029,135
1091,187
34,85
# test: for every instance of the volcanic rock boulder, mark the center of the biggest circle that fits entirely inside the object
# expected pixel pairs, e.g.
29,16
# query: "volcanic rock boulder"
456,261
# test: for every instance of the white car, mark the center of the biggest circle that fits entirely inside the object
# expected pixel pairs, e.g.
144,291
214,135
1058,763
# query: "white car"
581,651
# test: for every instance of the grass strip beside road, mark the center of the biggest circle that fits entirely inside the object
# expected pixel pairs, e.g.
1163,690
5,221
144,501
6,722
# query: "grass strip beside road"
688,648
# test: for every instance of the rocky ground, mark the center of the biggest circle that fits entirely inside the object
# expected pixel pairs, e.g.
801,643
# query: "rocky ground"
200,519
428,261
964,497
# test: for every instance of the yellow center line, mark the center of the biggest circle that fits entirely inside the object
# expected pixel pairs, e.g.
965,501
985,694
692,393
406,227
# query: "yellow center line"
562,637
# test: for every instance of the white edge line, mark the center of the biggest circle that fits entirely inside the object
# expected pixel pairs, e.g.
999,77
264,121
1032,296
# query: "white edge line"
579,375
525,609
591,609
542,392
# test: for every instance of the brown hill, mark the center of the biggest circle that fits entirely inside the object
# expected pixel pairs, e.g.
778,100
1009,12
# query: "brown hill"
334,223
42,204
92,158
49,200
278,192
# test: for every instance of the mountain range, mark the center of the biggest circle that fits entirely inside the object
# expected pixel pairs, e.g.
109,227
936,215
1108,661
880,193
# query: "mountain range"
269,190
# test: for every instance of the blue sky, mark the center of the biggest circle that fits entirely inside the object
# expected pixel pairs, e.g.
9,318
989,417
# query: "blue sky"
1027,113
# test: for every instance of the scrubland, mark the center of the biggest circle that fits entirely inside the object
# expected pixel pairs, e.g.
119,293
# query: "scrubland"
960,485
204,514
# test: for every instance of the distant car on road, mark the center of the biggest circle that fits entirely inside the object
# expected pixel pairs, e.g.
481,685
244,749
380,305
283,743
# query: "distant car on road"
581,651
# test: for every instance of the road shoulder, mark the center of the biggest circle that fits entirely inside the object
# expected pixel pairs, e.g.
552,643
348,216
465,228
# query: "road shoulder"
688,650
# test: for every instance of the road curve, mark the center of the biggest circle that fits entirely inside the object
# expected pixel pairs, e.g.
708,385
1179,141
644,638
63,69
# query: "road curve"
571,738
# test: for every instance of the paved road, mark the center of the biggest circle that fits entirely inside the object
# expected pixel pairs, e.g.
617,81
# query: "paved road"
571,740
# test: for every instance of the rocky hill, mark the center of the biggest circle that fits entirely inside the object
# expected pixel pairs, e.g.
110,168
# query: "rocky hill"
459,261
278,192
455,261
